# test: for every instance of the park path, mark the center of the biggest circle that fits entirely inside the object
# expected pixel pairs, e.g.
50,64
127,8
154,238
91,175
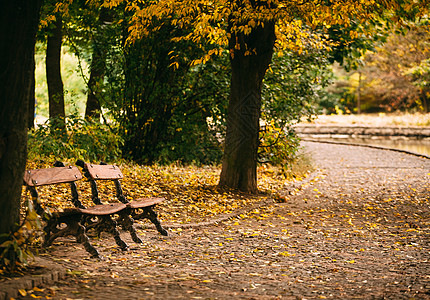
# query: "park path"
357,229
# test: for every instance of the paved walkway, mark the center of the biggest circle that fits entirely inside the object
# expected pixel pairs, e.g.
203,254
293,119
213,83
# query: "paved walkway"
358,229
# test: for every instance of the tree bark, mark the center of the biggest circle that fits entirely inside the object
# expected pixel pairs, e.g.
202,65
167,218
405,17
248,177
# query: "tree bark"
250,56
32,97
425,101
18,23
98,67
53,73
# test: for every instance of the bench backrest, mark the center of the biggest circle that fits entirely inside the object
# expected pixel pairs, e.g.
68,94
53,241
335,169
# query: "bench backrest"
39,177
103,171
56,175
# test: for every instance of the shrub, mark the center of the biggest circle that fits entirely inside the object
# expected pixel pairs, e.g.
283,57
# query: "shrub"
17,246
278,146
82,139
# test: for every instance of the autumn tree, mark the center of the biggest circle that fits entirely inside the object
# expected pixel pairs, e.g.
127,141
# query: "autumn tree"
18,20
419,75
250,31
392,70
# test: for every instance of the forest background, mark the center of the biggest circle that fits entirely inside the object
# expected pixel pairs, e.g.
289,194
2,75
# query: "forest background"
162,102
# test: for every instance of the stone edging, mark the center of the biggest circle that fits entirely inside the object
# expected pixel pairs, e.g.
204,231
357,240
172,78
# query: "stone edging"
10,288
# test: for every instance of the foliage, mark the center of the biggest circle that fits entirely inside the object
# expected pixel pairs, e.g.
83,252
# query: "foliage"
419,76
86,140
278,146
196,127
163,106
17,247
386,83
293,86
350,43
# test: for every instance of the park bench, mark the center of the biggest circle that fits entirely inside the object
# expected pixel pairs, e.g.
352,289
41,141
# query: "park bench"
69,221
137,209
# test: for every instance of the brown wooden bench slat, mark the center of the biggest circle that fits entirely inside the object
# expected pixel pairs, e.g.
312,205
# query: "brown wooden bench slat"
144,202
104,172
39,177
104,209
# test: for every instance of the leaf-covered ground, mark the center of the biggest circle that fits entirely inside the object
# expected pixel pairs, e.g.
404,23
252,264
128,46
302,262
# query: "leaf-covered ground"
359,229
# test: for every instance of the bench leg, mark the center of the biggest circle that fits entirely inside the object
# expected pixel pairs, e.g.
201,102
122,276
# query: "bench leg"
109,225
82,238
73,227
149,213
127,222
105,224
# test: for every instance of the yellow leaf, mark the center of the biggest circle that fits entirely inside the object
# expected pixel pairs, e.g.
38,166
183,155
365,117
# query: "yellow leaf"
23,292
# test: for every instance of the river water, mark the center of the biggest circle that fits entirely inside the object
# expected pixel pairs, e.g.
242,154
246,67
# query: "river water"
412,145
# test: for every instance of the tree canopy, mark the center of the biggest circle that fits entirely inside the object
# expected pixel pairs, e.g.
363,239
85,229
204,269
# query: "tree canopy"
248,33
251,31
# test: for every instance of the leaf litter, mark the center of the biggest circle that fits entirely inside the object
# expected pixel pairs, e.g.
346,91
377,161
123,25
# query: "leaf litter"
354,239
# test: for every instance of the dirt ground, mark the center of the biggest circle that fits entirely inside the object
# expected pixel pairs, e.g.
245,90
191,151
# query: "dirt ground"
357,229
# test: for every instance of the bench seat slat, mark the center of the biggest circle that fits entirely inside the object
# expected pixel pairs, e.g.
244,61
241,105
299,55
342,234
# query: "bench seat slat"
104,172
144,202
104,209
39,177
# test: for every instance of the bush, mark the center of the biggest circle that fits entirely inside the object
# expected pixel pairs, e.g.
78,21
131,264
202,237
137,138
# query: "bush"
82,139
278,146
17,246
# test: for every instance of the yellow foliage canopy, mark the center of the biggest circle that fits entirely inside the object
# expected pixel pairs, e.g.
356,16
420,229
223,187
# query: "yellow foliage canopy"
214,21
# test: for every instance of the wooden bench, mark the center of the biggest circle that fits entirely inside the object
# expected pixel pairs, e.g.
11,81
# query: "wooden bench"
101,222
69,221
141,208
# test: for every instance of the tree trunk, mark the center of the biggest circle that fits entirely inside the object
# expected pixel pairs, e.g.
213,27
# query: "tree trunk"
359,93
239,166
18,23
98,67
32,100
425,101
53,74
